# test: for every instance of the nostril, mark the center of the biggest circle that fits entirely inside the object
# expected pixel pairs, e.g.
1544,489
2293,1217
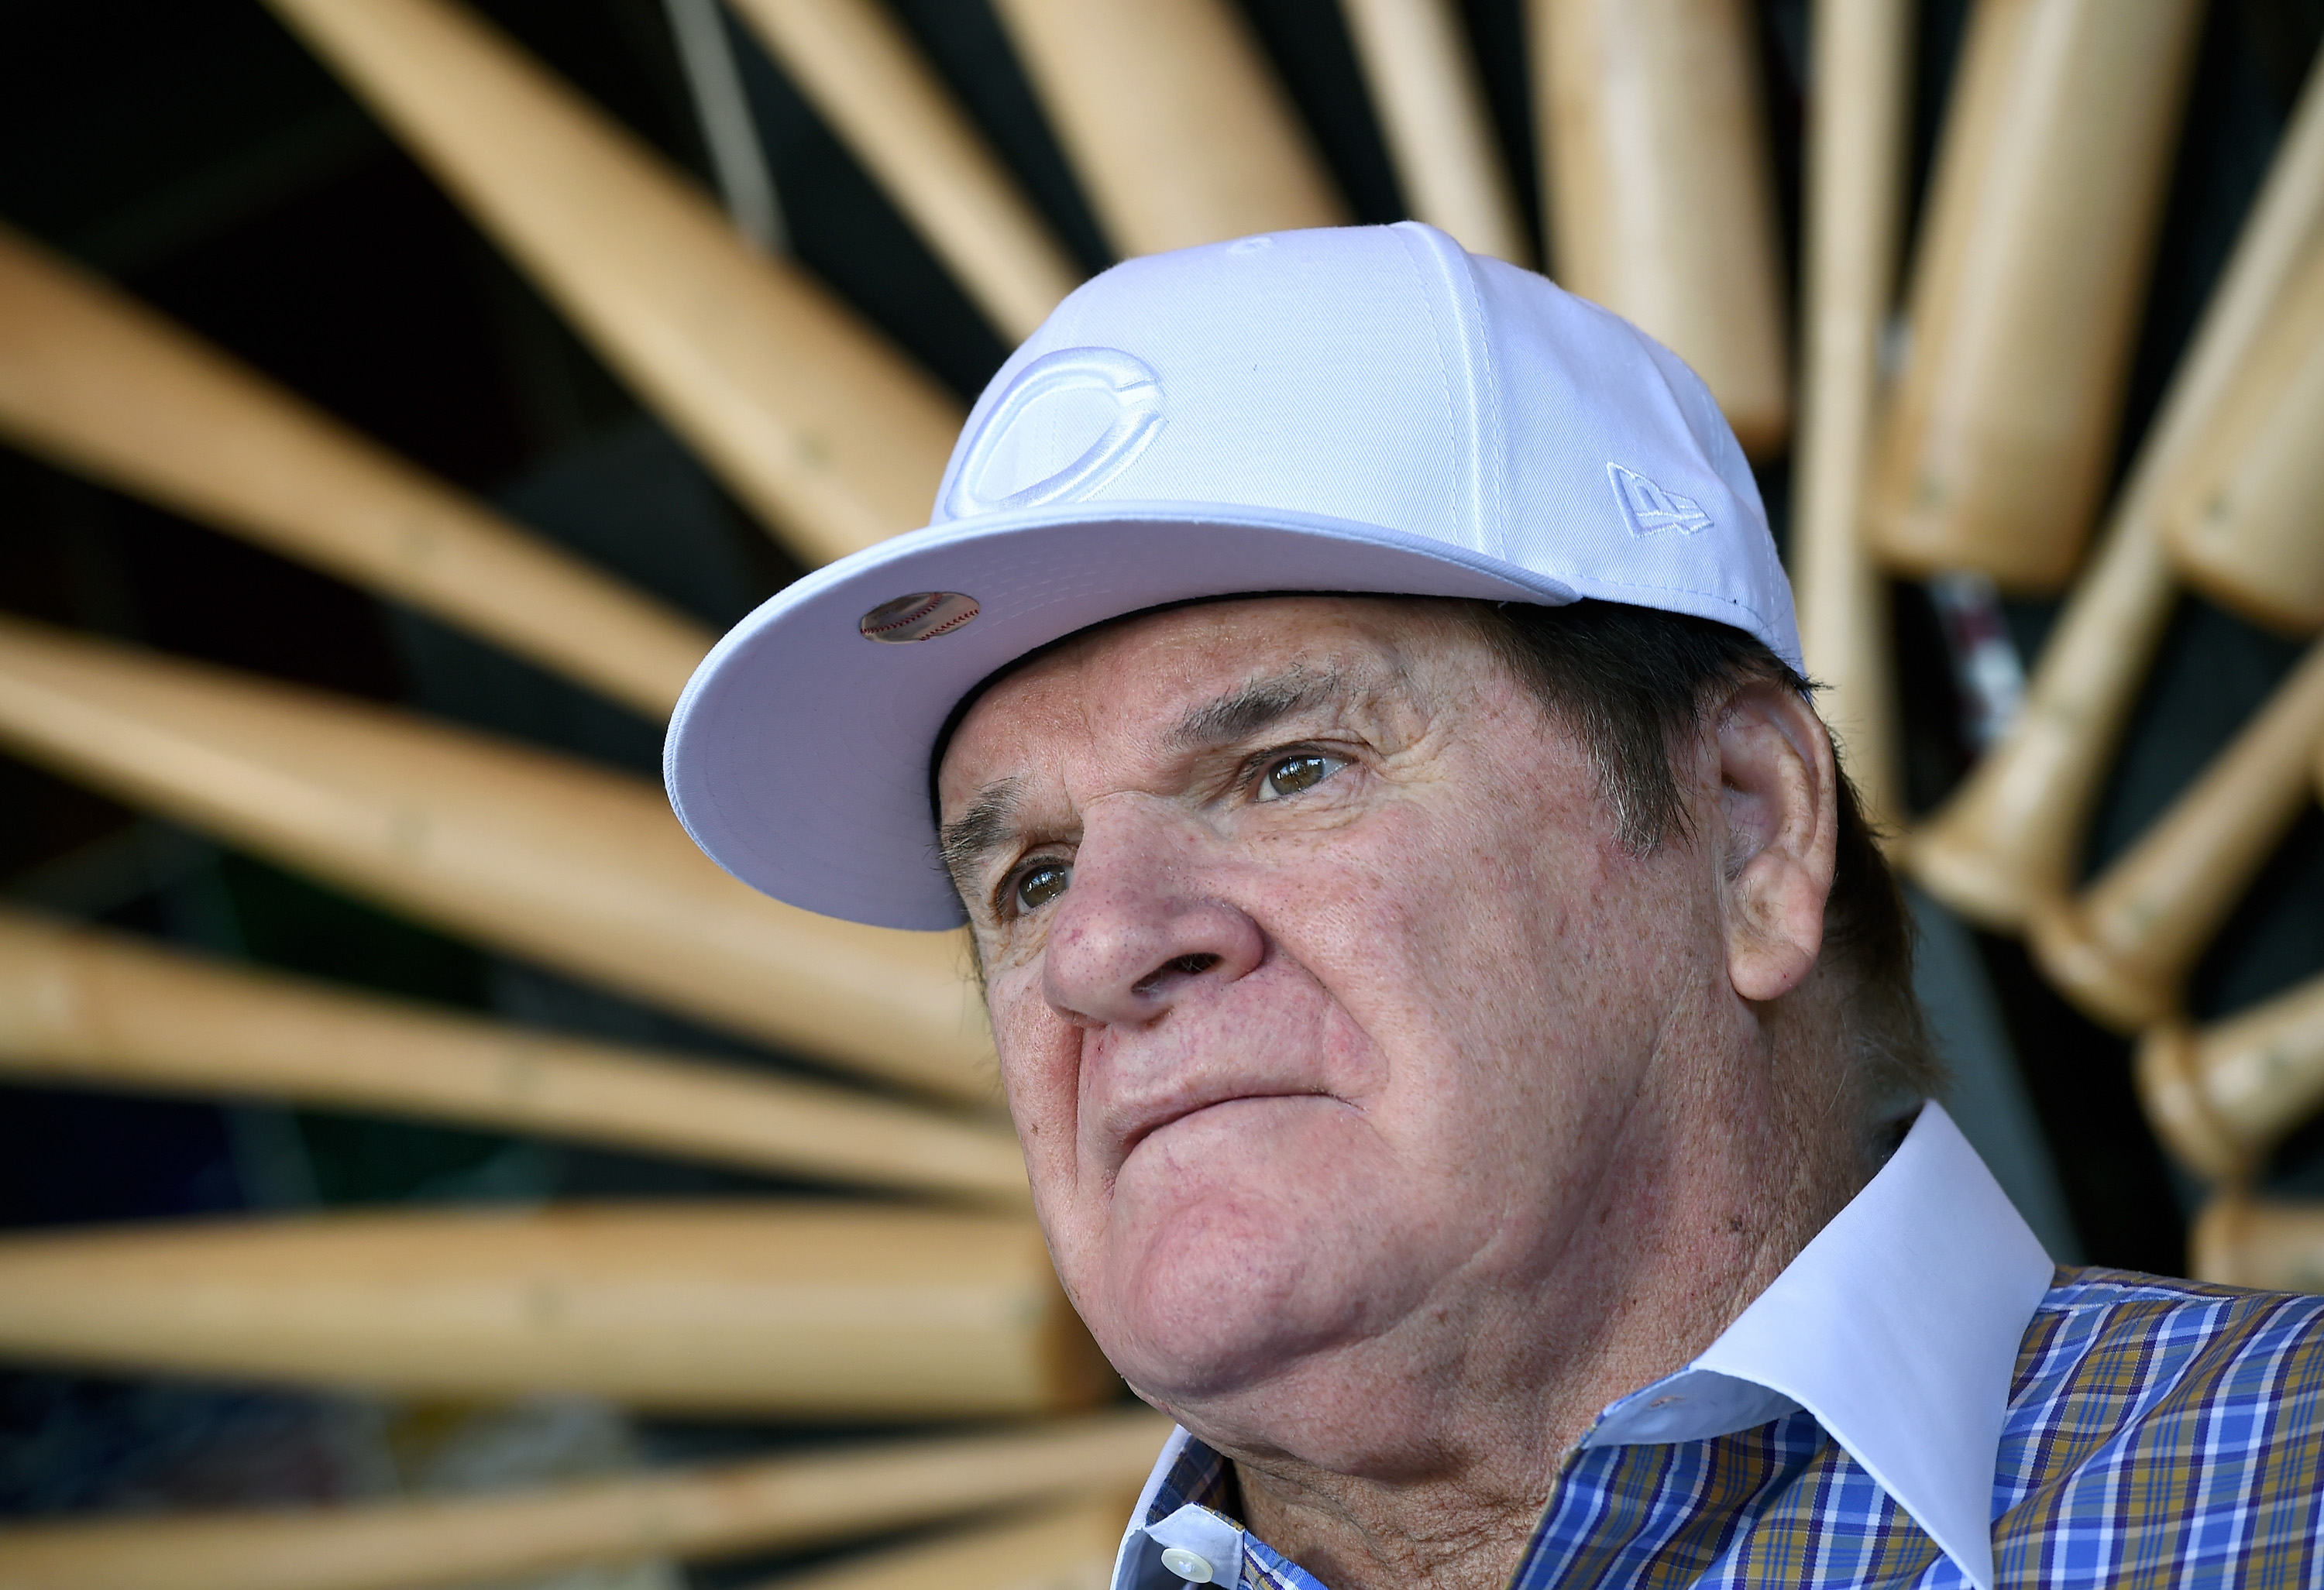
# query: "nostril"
1182,966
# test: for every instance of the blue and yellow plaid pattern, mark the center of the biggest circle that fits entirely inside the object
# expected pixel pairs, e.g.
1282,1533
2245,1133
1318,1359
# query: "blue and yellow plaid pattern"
2160,1432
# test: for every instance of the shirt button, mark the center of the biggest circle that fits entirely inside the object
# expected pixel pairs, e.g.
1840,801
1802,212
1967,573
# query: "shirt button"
1188,1565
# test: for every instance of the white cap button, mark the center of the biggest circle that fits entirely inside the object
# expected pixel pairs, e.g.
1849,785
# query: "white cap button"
1191,1566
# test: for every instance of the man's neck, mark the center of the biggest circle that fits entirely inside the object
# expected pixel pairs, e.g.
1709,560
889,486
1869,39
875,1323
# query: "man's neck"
1436,1466
1463,1521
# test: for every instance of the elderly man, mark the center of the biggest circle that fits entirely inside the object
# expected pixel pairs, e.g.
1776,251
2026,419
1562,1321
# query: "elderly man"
1458,1024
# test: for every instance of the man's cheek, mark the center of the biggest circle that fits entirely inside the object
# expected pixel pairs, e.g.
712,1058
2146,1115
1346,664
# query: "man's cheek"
1018,1014
1040,1076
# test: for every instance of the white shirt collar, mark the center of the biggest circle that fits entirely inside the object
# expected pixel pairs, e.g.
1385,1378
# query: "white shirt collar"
1898,1327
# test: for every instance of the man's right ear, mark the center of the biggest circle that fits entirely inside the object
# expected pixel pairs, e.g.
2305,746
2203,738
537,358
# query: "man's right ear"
1779,814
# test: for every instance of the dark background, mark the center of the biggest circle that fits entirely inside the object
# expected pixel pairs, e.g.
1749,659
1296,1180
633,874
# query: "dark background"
195,154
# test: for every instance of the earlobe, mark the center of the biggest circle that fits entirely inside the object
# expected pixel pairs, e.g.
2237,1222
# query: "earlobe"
1779,808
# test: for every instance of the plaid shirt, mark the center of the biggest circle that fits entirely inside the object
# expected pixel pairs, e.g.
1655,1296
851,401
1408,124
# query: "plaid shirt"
2151,1432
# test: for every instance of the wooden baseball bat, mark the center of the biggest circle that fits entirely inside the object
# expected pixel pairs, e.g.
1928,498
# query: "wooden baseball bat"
1658,186
823,1495
1066,1546
1172,120
820,426
2121,950
2027,284
1855,200
95,382
2221,1096
2012,834
82,1007
2244,530
1431,106
864,75
577,866
2238,1240
825,1310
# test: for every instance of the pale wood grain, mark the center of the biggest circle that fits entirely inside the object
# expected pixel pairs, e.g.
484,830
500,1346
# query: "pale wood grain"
2011,836
1659,188
825,1494
2221,1096
1856,158
95,382
540,854
815,422
1431,107
1067,1546
1173,119
2122,949
84,1007
2241,1241
831,1310
863,74
2027,284
2247,527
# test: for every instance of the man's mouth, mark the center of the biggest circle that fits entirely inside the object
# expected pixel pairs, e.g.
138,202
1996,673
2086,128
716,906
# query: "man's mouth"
1175,1114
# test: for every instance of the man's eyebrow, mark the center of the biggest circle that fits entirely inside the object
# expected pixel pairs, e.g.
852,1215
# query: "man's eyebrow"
989,824
984,828
1249,708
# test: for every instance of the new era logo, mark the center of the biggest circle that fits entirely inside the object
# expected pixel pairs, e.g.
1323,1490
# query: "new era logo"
1649,508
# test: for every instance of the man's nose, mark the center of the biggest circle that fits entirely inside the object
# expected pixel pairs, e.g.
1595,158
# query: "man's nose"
1138,932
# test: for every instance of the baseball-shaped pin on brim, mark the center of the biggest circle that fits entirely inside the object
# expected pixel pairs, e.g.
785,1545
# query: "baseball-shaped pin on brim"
922,616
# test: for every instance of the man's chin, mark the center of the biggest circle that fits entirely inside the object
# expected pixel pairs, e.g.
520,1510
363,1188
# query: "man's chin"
1224,1281
1251,1188
1200,1355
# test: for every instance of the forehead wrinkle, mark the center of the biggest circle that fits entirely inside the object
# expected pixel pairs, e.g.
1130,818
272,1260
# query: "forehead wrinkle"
992,818
1251,706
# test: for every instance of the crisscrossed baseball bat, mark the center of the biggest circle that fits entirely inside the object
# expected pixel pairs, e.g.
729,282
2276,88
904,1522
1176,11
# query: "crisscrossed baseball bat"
823,1309
1067,1545
1659,188
1425,90
863,74
825,1495
84,1007
2245,527
2122,949
2221,1096
2027,284
2012,835
545,856
2238,1240
1855,200
95,382
1172,117
821,427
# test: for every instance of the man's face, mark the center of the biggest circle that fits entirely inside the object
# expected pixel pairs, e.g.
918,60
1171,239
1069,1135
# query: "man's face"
1321,983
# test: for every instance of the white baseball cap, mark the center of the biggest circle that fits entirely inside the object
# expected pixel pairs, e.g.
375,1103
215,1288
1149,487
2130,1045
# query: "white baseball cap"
1365,408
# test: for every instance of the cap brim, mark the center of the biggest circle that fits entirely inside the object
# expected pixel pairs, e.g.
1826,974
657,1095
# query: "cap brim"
798,755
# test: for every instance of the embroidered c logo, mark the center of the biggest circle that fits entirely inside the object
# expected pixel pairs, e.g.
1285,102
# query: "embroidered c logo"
1136,392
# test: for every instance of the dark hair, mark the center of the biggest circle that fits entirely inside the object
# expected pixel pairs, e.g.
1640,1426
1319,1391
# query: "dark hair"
1635,686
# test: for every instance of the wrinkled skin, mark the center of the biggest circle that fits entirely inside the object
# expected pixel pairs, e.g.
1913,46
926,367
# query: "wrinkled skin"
1387,1116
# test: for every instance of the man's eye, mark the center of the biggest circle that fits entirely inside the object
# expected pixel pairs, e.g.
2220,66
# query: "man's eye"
1042,885
1294,774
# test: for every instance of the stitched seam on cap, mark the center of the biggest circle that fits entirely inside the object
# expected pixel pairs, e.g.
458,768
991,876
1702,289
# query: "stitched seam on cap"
1490,485
1436,345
